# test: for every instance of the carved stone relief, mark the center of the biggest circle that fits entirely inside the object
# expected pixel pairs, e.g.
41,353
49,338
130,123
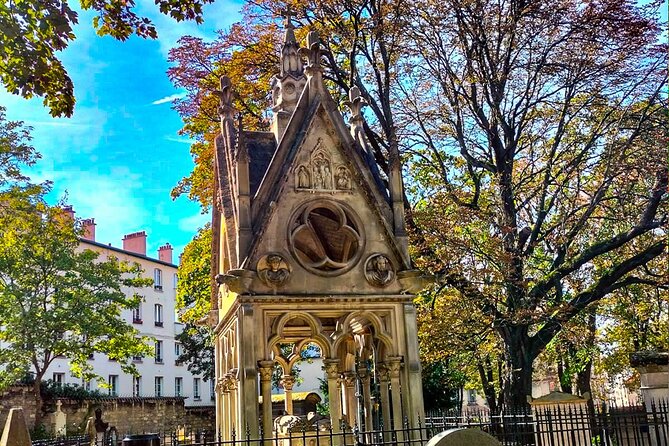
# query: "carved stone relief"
343,178
319,174
326,237
303,178
379,270
273,270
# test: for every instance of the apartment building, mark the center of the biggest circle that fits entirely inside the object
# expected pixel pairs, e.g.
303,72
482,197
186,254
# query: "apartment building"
159,376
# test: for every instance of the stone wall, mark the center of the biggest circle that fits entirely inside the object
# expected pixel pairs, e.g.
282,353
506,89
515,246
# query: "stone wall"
18,396
128,415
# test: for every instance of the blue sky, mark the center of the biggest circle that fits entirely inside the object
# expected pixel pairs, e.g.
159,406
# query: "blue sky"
119,156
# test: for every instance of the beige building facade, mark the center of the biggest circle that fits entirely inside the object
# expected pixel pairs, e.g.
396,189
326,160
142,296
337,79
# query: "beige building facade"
310,253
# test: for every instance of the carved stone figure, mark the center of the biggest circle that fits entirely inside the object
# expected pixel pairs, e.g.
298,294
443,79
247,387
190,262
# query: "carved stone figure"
343,179
273,270
379,270
327,176
302,178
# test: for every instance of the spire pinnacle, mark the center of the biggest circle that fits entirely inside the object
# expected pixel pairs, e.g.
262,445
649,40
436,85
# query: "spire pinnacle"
290,61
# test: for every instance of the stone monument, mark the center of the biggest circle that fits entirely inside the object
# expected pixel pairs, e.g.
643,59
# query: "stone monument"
310,248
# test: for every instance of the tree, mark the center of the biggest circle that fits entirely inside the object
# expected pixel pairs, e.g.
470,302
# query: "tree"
361,46
539,133
55,299
34,32
533,135
193,304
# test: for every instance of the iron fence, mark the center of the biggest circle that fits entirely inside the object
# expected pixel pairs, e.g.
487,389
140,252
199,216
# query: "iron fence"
604,425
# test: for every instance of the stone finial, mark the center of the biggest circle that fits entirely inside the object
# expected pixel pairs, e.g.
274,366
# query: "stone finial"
312,51
355,104
291,63
224,94
15,432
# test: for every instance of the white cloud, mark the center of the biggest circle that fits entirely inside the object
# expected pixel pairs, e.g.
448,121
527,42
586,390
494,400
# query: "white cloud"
169,98
180,140
113,198
194,222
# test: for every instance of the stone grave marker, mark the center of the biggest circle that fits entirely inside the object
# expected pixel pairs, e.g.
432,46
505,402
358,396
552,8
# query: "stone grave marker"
463,437
16,431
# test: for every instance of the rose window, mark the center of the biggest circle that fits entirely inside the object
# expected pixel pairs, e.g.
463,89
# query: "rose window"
326,238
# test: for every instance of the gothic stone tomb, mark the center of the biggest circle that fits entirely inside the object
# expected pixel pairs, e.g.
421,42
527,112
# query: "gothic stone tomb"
310,249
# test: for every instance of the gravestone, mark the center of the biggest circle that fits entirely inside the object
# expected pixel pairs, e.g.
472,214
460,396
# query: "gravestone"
16,431
60,420
463,437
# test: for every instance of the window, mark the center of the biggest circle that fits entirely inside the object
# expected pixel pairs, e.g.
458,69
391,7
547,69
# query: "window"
159,385
196,388
471,396
158,315
175,281
113,385
136,385
177,353
212,389
159,352
58,379
178,386
86,384
158,279
137,314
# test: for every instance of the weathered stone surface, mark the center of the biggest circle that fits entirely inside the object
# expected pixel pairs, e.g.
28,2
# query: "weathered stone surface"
463,437
126,414
15,432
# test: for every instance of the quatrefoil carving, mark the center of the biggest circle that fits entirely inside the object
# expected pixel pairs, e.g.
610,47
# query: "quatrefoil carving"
326,237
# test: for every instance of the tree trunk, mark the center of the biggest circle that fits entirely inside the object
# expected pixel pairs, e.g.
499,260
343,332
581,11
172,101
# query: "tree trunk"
37,390
486,375
520,363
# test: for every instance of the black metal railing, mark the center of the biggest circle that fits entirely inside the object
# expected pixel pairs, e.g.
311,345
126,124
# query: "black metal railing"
577,425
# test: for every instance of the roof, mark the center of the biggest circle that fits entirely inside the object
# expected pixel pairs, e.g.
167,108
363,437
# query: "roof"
260,147
129,253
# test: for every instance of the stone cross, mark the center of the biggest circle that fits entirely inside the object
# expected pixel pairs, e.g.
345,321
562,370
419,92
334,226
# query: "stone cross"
287,15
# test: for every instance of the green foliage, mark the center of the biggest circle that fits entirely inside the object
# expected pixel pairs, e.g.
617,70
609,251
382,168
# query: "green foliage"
34,32
55,298
193,303
197,350
441,385
51,391
194,285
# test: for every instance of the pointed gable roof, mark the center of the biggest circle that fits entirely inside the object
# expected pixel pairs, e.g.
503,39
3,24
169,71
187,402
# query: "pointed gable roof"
316,101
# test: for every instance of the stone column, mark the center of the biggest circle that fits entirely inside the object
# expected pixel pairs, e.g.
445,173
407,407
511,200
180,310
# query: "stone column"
248,370
331,367
350,402
363,373
413,382
217,388
225,409
393,365
288,381
266,368
235,412
384,378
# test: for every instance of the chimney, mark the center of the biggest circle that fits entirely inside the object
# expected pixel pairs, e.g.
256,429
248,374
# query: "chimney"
165,253
135,242
89,229
69,211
